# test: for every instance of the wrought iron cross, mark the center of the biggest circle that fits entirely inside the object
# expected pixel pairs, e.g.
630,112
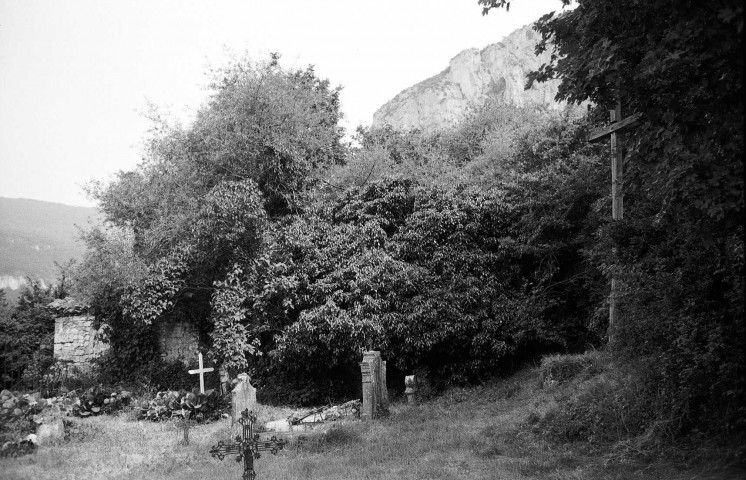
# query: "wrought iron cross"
248,446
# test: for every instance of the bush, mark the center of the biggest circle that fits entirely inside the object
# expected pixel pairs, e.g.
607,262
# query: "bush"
603,404
169,404
558,368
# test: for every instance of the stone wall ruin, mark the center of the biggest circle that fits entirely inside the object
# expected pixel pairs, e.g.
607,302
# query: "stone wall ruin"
76,341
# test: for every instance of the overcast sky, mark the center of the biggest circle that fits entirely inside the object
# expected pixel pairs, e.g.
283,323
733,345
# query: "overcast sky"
76,75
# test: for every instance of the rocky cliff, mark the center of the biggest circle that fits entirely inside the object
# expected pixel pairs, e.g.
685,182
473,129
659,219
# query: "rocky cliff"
498,71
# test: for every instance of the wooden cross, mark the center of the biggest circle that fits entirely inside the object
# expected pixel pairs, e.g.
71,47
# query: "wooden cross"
618,125
248,446
201,372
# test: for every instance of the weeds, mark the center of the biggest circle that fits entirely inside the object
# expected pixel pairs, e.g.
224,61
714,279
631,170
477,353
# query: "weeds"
478,433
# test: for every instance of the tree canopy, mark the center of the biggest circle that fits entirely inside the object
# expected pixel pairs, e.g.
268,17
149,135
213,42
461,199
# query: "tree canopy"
679,249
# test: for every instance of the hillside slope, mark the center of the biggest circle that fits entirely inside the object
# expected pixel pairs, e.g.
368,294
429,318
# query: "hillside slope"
498,72
34,235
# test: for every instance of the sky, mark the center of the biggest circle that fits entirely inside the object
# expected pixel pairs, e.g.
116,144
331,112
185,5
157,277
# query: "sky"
77,75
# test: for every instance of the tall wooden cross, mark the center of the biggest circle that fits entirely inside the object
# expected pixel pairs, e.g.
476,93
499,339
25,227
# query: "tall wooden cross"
618,125
201,370
248,446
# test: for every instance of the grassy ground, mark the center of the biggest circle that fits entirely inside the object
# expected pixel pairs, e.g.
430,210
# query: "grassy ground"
467,433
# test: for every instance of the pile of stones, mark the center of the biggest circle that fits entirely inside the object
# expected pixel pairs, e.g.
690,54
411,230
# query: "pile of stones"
28,420
306,421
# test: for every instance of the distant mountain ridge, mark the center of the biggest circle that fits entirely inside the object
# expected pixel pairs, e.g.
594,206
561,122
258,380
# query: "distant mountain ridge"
499,71
36,234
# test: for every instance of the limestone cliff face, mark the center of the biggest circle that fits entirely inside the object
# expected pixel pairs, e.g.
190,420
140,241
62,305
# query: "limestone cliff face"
498,71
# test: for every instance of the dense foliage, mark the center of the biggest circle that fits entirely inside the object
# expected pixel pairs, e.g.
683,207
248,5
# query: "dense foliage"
455,253
196,208
26,335
680,247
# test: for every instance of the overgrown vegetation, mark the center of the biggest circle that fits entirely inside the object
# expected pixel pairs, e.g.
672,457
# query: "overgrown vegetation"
461,253
679,250
481,432
27,335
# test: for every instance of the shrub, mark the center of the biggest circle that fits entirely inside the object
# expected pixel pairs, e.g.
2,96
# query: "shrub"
606,407
559,368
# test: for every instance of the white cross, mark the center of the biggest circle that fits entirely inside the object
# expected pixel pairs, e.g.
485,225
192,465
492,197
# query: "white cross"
201,372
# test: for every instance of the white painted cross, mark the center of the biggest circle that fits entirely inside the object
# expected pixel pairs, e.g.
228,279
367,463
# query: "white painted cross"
201,372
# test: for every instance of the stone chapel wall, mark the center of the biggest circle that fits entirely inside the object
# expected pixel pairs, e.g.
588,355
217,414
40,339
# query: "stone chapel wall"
76,341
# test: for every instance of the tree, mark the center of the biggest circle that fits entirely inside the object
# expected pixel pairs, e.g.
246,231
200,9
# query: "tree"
679,248
195,210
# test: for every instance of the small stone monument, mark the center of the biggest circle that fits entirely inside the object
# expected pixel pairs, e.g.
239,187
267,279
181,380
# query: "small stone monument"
375,393
244,397
410,384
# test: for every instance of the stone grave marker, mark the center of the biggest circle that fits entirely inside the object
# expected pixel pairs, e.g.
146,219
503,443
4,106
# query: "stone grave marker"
410,384
375,393
243,398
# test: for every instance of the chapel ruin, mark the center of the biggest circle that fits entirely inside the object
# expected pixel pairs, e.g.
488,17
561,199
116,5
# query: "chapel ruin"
77,341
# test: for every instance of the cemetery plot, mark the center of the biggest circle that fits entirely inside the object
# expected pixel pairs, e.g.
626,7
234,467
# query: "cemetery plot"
478,432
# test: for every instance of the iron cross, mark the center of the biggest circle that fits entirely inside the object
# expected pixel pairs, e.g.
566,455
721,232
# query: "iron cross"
248,446
618,124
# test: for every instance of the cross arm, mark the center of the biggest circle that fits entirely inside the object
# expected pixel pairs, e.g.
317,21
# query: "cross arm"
599,134
222,450
272,445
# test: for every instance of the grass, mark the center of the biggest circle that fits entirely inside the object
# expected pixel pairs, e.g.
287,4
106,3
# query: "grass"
475,433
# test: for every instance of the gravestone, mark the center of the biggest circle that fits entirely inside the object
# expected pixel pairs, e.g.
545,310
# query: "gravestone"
410,384
243,398
375,393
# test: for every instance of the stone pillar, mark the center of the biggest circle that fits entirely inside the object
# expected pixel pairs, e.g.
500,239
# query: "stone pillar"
375,393
410,382
384,388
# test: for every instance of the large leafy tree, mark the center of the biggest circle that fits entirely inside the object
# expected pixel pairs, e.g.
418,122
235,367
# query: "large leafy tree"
680,247
194,211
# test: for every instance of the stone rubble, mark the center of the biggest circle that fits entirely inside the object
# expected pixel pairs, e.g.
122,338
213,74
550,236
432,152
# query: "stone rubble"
348,410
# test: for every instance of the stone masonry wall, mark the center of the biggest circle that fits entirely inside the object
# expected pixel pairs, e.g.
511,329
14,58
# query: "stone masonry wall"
76,341
178,341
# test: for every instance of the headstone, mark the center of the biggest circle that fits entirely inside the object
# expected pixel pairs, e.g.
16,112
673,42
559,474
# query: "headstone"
244,397
375,393
410,384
